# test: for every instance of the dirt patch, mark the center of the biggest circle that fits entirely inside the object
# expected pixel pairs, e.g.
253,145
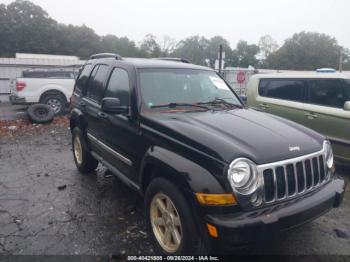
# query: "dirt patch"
11,128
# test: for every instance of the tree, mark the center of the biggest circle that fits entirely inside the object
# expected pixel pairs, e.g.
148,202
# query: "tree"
26,27
213,47
244,55
267,46
346,59
5,31
192,48
168,45
306,51
122,46
149,47
81,41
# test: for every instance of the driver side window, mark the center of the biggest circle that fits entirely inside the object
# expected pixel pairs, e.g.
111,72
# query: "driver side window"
118,86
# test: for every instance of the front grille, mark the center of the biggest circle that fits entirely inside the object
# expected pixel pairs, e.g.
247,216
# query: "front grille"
288,179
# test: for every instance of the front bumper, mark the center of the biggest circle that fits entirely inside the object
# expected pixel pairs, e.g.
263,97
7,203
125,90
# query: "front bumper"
16,100
252,226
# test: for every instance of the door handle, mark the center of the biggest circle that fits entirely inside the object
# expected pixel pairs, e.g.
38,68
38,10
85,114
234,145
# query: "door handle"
83,104
102,115
264,106
311,115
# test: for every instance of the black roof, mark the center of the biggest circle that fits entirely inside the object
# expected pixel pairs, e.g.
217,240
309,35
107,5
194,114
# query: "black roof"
148,62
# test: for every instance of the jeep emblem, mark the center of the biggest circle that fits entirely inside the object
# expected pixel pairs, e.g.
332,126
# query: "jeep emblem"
294,148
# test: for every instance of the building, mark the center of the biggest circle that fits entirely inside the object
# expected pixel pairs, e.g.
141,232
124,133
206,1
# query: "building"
11,68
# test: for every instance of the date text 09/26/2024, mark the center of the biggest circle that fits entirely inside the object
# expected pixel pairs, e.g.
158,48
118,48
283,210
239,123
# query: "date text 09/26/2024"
173,258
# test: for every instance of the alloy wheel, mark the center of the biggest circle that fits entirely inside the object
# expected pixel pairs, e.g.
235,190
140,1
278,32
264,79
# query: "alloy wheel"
166,223
55,104
78,151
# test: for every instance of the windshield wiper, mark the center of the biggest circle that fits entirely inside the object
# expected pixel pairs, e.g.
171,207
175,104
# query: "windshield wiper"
174,105
218,101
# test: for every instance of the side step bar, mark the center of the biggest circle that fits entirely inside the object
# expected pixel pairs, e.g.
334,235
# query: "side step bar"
116,172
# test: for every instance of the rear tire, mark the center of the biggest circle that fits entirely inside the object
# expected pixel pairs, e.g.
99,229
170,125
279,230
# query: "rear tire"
83,159
185,238
56,101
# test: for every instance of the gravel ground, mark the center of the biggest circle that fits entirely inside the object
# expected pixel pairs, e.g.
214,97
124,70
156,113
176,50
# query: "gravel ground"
10,112
48,208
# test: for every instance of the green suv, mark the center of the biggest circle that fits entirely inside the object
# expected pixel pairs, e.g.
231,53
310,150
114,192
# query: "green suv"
320,101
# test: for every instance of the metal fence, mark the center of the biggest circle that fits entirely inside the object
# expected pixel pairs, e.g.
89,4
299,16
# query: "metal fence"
5,86
238,78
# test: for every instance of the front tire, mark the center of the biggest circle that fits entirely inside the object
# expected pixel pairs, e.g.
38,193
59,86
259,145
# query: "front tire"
170,221
84,161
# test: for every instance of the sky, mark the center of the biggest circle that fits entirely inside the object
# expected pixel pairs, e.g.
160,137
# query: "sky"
234,20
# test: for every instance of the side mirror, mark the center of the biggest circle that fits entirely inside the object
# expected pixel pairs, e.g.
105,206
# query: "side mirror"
347,106
112,105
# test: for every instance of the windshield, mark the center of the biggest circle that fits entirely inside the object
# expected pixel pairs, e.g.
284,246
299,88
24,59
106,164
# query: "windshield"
166,86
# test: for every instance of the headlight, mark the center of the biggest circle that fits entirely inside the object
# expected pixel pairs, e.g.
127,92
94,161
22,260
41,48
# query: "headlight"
242,175
329,155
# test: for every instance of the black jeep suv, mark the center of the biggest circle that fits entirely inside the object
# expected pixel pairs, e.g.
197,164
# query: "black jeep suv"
210,170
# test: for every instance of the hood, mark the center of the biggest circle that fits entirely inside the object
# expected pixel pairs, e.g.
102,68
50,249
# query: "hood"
227,135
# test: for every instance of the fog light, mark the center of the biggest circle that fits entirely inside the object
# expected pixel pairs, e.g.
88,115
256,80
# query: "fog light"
256,199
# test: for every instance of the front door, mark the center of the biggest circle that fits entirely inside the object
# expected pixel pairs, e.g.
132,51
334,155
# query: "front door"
121,132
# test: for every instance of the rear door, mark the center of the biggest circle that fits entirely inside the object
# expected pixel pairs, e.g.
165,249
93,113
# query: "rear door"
80,85
92,101
282,97
325,112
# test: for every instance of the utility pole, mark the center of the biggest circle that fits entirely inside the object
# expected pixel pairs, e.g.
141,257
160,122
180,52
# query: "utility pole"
220,60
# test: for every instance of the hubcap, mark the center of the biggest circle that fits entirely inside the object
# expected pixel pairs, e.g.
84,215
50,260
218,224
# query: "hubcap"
55,104
166,223
41,112
78,153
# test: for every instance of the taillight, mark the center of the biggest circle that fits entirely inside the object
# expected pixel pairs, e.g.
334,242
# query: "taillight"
20,85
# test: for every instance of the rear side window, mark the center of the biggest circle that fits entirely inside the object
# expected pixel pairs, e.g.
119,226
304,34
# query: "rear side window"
292,89
83,78
118,86
328,92
95,86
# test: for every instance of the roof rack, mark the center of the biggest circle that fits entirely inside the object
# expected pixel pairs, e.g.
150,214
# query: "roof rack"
106,55
181,60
